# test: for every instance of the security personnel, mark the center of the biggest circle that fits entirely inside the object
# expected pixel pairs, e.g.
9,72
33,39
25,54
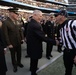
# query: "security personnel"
49,25
68,37
14,37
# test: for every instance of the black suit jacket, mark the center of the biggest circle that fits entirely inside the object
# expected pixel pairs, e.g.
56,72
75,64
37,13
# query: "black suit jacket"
49,29
35,36
3,67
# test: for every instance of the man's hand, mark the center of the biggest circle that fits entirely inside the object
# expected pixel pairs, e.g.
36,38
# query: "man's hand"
22,41
5,50
10,46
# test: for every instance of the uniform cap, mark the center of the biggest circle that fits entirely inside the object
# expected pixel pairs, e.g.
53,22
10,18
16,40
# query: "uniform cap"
14,10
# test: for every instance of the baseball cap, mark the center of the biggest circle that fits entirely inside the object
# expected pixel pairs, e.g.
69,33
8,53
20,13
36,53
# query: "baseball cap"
14,10
61,12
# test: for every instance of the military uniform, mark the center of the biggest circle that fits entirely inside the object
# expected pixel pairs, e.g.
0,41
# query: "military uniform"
50,33
13,35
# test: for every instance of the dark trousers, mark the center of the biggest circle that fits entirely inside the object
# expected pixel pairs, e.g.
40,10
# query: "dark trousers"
16,55
33,65
59,47
2,73
49,49
68,58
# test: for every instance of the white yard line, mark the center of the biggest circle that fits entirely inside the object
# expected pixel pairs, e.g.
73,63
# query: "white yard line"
51,61
45,65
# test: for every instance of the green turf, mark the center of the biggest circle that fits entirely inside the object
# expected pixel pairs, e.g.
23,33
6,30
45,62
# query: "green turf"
56,68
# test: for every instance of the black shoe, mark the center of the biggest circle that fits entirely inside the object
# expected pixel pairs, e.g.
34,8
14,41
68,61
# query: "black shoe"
20,65
48,58
59,51
33,74
15,69
27,56
50,55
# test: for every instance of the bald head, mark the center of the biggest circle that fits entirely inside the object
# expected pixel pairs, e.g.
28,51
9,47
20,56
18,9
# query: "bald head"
37,15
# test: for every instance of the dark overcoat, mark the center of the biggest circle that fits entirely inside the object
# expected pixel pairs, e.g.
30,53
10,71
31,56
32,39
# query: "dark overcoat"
35,36
3,67
12,32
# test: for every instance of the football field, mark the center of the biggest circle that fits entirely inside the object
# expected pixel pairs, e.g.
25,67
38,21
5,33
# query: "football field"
56,68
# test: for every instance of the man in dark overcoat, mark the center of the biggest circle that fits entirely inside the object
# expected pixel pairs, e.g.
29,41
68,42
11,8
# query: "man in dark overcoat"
35,36
14,37
3,67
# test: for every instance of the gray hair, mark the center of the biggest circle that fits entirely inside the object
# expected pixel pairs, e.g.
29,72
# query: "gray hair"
37,12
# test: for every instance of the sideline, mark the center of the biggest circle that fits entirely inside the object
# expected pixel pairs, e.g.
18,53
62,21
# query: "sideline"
51,61
44,66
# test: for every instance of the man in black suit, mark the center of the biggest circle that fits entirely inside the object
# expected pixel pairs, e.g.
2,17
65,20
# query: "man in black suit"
50,33
3,67
35,36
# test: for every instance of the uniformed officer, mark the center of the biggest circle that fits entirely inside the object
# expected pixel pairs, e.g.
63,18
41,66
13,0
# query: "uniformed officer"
14,37
50,33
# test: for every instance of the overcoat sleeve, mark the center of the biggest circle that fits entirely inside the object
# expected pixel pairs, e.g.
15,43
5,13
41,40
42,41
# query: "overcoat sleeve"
41,35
